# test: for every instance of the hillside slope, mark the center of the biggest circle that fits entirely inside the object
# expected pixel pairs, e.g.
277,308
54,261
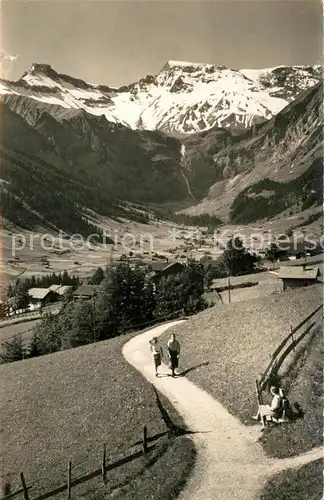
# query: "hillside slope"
227,347
90,396
54,168
284,149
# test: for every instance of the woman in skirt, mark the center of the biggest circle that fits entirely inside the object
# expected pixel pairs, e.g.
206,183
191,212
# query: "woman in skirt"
157,352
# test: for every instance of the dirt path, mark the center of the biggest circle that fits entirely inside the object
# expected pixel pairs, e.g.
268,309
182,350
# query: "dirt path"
298,461
230,463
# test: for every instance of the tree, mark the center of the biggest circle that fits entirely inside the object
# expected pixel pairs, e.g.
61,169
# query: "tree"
34,348
22,299
126,299
214,272
46,281
97,277
132,296
183,291
13,350
273,253
105,319
19,293
67,297
289,231
78,325
237,259
65,280
47,335
168,296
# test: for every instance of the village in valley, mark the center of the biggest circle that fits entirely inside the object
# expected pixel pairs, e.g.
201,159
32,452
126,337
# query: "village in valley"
288,260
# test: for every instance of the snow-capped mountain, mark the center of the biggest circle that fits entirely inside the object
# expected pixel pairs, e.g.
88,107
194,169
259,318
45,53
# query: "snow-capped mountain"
183,98
261,171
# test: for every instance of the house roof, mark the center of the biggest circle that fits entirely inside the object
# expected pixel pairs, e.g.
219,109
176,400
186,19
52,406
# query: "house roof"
310,273
64,289
172,264
59,289
39,293
85,291
257,278
169,266
157,266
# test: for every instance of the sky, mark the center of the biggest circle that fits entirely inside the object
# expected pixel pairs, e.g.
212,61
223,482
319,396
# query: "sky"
118,42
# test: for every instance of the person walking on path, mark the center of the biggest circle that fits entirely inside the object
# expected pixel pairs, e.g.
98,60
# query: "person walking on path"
174,353
157,352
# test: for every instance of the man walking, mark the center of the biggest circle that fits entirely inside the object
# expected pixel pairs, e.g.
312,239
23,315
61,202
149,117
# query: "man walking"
174,353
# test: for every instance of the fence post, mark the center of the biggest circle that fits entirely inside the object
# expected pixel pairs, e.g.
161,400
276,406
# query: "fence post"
24,487
257,391
69,479
260,392
145,447
103,466
5,489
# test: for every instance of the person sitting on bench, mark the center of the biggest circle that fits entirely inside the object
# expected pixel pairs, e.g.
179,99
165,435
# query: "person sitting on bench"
272,411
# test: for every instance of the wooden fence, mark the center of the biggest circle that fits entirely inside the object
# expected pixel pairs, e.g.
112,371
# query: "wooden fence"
288,344
30,315
145,447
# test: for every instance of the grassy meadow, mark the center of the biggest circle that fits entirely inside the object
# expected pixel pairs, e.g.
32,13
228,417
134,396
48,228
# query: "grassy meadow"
304,382
304,483
225,348
66,405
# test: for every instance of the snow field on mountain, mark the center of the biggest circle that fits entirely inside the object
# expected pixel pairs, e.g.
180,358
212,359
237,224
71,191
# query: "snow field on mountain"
183,97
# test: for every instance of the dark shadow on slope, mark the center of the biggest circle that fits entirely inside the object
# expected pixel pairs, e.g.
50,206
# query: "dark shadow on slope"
185,372
173,429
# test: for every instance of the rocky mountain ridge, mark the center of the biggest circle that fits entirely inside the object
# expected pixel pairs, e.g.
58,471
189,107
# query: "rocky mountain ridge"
283,150
183,98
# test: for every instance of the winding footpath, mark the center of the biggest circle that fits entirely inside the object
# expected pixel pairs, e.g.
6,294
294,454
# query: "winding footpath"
230,463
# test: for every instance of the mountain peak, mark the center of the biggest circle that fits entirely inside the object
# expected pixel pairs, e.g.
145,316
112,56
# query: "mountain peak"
185,64
40,74
43,67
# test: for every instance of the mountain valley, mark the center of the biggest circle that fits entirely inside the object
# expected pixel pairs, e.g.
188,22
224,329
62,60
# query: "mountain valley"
201,139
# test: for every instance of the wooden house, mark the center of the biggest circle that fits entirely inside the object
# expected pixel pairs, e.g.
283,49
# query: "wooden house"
293,276
85,292
41,297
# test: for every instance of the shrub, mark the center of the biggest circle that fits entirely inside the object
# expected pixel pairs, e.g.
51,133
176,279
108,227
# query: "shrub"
13,350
